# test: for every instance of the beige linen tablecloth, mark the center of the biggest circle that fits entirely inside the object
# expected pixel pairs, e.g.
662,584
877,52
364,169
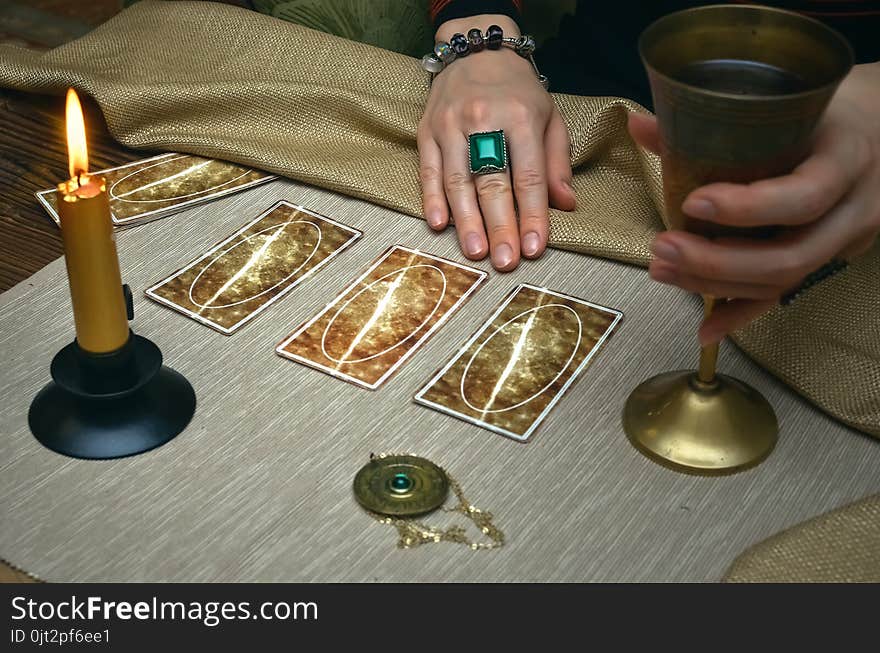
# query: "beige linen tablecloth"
258,487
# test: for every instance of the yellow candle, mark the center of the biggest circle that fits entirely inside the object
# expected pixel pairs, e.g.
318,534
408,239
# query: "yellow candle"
90,247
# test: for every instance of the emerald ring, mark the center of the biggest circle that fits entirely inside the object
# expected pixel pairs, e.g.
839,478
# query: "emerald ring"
487,152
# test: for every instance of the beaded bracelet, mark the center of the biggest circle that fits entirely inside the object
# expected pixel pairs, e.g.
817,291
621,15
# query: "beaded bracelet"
828,270
461,46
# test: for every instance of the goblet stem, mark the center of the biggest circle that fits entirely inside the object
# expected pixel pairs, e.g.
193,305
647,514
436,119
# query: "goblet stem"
708,354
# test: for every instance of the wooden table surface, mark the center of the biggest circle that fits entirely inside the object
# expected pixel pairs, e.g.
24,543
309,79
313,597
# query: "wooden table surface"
32,148
33,157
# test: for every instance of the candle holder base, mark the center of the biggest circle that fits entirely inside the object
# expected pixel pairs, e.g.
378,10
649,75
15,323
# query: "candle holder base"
101,406
708,429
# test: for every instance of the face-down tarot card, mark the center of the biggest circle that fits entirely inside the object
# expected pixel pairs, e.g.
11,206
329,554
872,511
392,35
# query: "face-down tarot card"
380,320
153,188
257,265
517,366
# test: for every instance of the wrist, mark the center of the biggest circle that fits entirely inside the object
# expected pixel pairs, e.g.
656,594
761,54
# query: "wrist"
480,21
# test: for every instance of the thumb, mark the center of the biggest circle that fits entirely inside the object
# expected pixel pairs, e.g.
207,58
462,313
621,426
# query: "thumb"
643,129
558,148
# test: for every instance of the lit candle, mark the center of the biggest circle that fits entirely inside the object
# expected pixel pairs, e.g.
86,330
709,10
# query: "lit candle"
90,247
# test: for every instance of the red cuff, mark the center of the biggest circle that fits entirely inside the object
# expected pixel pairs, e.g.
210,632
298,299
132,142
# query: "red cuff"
471,7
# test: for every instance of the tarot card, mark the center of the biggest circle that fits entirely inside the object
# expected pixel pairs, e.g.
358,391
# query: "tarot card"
380,320
254,267
153,188
512,371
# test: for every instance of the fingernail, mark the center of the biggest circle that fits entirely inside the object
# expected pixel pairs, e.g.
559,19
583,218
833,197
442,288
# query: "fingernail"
503,255
661,273
531,243
699,208
434,219
666,251
473,244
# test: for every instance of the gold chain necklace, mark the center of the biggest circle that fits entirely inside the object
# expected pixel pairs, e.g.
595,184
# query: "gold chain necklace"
380,483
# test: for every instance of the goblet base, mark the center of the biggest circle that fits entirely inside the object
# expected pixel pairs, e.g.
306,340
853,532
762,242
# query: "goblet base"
708,429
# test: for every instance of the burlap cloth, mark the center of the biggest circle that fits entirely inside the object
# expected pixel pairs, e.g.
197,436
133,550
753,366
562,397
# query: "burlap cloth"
841,546
223,82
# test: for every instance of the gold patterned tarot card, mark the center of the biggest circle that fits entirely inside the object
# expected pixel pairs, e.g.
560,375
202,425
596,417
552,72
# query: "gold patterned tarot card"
153,188
380,320
256,266
512,371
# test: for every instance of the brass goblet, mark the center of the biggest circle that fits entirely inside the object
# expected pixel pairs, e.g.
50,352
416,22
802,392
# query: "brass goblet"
738,91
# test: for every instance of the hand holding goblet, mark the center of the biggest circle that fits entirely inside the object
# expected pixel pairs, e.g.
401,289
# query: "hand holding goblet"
830,205
738,92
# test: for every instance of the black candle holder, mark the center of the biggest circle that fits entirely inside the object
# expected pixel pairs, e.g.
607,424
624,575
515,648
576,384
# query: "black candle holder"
111,405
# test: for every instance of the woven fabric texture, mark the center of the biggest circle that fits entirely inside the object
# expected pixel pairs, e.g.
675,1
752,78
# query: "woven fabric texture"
838,547
224,82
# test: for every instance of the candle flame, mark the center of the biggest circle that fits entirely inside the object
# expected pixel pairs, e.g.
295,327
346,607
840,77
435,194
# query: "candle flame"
77,152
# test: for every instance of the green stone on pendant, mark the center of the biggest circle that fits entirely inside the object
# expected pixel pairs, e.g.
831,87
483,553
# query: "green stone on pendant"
487,152
401,483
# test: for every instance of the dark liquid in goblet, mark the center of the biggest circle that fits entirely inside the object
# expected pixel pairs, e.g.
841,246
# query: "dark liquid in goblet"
683,173
741,77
